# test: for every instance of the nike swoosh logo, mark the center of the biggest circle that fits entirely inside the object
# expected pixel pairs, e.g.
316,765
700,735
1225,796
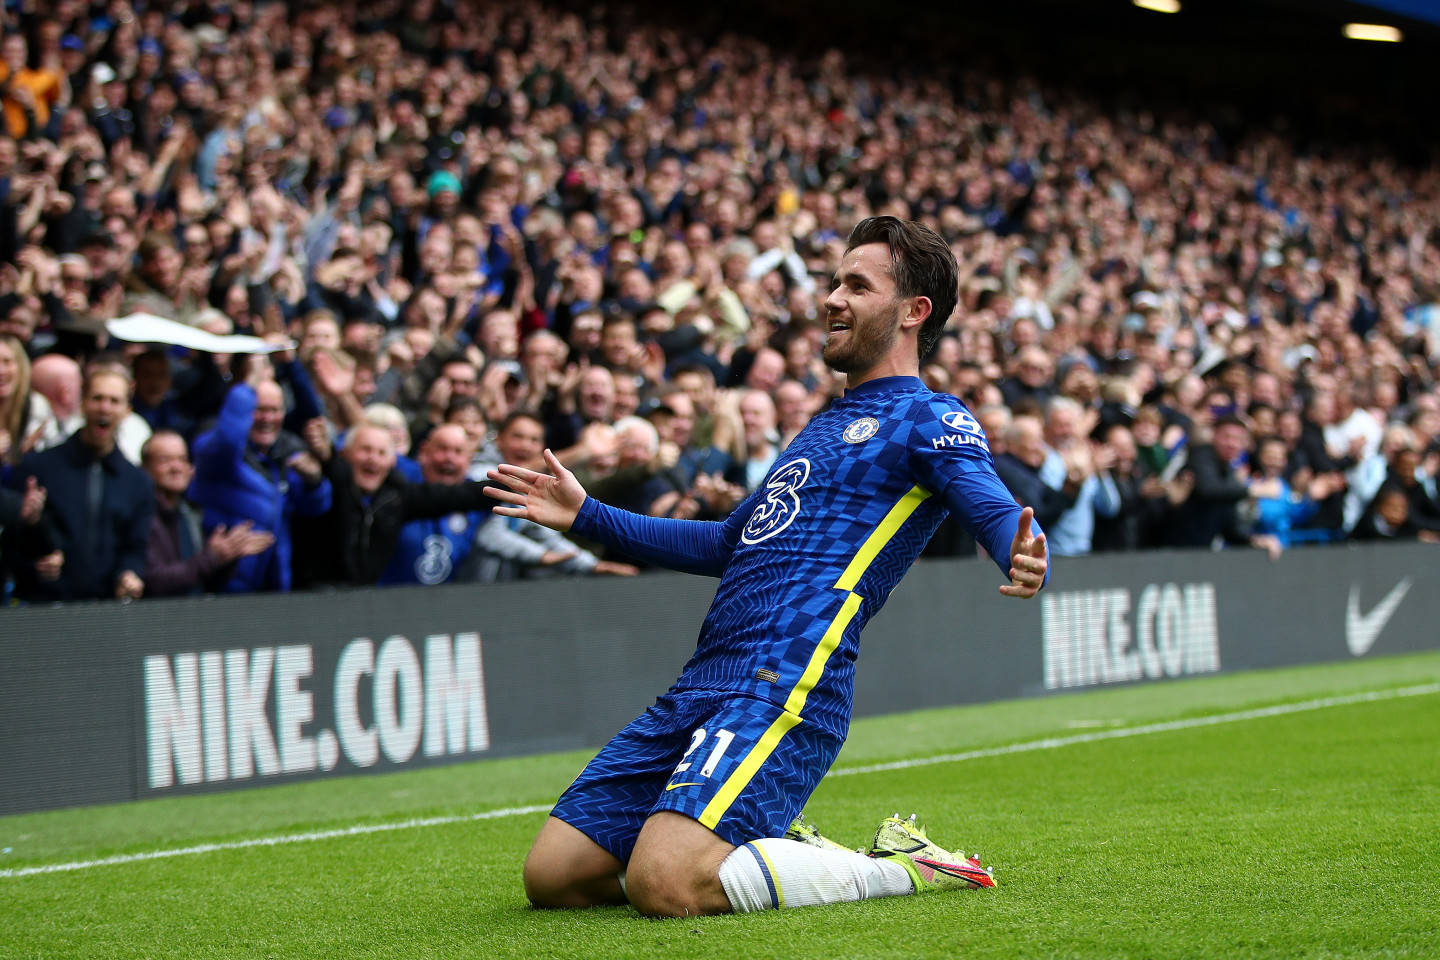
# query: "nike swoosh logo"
1362,630
676,786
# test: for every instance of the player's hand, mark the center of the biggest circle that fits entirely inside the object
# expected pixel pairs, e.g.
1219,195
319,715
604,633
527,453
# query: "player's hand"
552,500
1028,559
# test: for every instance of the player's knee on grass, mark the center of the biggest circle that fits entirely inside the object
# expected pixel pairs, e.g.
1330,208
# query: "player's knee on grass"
566,869
661,887
674,893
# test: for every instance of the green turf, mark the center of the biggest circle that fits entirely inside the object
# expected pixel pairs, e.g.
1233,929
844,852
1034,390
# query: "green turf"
1307,835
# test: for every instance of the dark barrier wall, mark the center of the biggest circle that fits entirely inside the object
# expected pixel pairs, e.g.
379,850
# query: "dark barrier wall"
104,702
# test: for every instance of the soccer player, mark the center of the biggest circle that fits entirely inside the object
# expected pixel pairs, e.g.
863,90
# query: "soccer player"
684,812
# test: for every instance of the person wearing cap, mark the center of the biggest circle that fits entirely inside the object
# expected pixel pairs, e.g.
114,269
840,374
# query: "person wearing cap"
72,61
443,189
112,120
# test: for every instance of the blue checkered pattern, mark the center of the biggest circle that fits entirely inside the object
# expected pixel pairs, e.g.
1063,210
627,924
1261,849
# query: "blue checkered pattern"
636,773
778,596
805,562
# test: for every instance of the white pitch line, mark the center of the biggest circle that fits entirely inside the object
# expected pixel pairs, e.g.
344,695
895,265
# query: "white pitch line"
1048,743
1190,723
356,831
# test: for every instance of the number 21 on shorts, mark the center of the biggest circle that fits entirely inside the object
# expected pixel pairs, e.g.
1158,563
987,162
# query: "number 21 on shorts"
722,743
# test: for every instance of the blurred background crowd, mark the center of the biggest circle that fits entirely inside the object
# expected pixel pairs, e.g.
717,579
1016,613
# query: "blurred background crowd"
474,230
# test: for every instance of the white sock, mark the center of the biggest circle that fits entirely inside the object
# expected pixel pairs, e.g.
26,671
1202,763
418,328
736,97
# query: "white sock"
773,873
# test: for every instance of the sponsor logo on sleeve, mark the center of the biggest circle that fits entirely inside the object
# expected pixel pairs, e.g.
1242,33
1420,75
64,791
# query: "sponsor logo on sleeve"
965,431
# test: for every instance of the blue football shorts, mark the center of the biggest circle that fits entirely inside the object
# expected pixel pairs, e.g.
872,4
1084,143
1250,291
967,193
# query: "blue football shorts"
741,766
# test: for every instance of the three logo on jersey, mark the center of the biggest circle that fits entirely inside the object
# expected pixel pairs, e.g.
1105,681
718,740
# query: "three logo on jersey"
782,499
781,504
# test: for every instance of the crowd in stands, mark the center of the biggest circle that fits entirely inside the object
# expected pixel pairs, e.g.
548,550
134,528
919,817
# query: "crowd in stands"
474,230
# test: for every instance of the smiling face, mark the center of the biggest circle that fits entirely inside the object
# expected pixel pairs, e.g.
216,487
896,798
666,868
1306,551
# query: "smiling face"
269,415
862,312
371,452
168,463
445,455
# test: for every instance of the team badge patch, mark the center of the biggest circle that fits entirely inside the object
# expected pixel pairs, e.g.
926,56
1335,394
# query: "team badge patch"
456,523
861,430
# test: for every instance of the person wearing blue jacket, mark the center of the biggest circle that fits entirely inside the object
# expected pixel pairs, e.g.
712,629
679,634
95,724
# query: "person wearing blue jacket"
248,468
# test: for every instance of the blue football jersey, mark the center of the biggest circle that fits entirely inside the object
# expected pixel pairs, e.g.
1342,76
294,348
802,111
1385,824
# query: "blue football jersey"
814,552
432,549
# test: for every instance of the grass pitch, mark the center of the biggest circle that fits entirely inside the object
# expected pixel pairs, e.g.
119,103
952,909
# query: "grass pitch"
1304,832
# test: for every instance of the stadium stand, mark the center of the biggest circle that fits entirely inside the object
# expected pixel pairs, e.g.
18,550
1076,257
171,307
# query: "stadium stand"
467,210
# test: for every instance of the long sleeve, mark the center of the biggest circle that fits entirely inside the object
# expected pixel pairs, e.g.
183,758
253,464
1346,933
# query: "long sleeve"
438,499
307,401
495,536
1107,496
167,574
690,546
989,513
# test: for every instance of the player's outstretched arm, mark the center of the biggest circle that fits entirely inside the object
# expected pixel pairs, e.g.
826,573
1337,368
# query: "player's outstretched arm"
1028,559
552,500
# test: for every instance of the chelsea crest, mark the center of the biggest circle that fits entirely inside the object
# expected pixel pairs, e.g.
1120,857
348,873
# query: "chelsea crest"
861,430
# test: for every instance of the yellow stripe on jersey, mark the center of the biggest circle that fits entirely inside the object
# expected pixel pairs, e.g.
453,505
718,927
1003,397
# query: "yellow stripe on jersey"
795,702
784,723
882,535
745,772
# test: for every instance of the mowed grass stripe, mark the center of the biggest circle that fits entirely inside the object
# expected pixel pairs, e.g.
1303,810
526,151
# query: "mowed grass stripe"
1189,723
1046,743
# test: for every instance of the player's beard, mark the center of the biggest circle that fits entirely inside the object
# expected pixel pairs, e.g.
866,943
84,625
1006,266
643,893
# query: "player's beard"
867,341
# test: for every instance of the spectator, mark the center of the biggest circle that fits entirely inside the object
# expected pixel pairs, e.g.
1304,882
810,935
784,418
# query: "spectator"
1319,450
1071,463
761,440
1279,509
1019,467
508,547
28,95
181,561
1211,516
196,171
98,504
250,470
1028,387
1389,517
24,540
435,549
1408,473
372,503
1133,525
26,420
591,399
794,407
